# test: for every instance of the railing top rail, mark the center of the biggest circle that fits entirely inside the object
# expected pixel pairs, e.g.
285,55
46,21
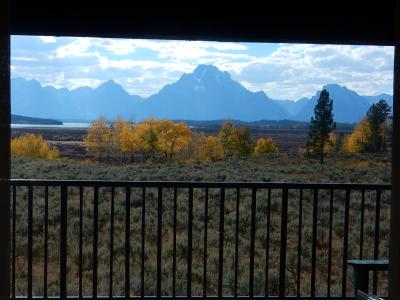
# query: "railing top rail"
200,184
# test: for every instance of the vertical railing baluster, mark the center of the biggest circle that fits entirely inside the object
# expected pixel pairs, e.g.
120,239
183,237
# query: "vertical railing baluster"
110,288
252,241
362,224
266,292
299,234
63,242
330,244
174,245
95,239
190,244
314,243
127,238
30,238
80,291
221,242
376,242
46,237
143,233
14,216
282,263
205,244
236,242
159,239
345,243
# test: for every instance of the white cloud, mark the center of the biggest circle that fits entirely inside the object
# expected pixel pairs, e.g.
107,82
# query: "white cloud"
48,39
291,69
144,66
117,46
78,47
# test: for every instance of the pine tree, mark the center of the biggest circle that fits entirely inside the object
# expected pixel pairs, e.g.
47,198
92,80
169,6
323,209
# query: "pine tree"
321,125
377,115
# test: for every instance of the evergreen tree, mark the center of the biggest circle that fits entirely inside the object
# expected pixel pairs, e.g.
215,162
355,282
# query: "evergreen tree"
321,125
377,116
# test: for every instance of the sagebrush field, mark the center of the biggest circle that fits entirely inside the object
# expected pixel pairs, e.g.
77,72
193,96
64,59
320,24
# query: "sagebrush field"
295,167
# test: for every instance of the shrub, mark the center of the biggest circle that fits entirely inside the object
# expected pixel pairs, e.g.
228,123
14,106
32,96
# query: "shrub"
265,146
33,146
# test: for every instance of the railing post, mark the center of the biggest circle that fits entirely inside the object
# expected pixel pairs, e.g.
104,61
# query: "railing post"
95,239
205,243
110,286
159,239
174,244
252,241
282,264
30,239
376,232
300,229
127,239
221,242
143,236
314,242
190,244
63,243
345,243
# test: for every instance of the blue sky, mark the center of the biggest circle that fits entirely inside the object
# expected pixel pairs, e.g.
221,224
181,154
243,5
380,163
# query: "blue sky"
142,67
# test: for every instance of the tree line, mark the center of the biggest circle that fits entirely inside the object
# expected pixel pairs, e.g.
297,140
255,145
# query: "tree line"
371,134
157,140
163,140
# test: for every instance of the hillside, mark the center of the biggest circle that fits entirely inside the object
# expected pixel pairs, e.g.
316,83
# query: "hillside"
17,119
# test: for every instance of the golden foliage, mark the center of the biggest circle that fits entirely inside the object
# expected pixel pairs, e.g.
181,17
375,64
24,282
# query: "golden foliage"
236,142
128,139
98,139
331,144
210,149
265,146
172,137
359,140
147,136
33,146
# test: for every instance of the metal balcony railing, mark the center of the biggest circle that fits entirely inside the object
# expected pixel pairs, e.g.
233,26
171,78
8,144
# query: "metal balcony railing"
133,240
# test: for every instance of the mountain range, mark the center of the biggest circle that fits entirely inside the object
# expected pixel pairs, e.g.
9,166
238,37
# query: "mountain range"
205,94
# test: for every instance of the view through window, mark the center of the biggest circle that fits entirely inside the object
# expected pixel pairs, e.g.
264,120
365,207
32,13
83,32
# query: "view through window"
206,113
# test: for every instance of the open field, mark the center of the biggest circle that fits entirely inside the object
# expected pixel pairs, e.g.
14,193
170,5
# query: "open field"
69,141
289,167
272,167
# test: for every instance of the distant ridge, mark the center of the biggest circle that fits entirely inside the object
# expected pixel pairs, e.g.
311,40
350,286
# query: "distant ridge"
17,119
205,94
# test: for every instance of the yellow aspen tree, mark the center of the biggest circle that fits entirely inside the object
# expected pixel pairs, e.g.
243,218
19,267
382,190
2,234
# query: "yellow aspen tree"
211,149
98,138
360,139
129,142
229,139
172,138
116,129
147,136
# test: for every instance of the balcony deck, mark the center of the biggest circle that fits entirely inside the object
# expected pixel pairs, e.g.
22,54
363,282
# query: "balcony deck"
194,240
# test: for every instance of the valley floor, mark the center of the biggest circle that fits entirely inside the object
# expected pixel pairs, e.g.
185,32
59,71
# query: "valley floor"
339,167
